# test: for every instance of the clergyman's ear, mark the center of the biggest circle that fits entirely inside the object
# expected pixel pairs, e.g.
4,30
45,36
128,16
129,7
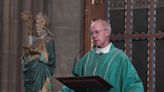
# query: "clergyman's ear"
108,32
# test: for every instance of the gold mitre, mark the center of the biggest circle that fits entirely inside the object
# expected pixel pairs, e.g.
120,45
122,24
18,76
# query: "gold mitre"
43,19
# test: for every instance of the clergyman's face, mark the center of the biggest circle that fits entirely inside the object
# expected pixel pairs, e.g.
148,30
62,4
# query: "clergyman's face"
99,35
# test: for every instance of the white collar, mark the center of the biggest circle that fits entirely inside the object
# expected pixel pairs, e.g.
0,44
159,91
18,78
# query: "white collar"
103,50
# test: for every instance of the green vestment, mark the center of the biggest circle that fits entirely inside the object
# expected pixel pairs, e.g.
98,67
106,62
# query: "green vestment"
114,67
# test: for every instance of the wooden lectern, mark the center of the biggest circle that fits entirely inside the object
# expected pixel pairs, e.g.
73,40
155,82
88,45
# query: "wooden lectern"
85,83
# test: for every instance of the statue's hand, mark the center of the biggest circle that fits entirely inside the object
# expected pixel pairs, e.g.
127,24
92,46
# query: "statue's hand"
34,51
26,48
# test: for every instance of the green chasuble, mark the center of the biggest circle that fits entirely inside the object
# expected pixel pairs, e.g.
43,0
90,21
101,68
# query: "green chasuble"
114,67
38,71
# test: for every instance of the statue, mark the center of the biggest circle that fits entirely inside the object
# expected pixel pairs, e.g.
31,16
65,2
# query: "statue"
39,58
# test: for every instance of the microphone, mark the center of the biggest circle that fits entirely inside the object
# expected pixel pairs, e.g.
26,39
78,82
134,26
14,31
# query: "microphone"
101,53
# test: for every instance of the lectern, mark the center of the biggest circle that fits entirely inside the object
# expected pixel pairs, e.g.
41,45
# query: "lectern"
85,83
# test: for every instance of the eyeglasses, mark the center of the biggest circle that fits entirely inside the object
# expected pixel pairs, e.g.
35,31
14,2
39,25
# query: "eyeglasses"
96,32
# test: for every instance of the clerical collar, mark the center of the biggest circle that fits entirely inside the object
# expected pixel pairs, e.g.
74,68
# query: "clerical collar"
103,50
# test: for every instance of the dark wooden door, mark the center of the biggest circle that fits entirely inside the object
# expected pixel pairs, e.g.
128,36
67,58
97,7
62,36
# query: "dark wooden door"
138,29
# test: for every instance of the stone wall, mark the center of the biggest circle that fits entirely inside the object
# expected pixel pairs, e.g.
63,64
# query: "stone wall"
66,25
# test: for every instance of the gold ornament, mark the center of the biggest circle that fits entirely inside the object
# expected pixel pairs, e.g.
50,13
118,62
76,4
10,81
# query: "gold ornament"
27,18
